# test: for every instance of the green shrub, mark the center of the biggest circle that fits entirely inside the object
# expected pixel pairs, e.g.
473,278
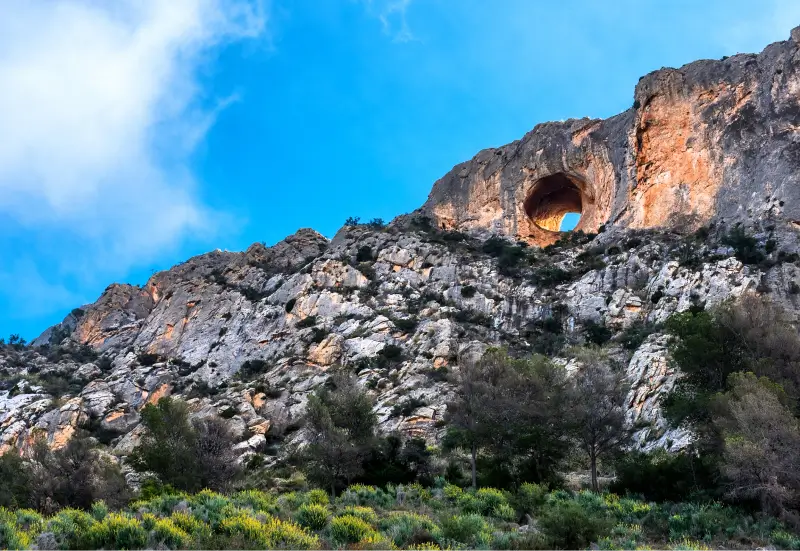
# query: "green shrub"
406,528
270,534
635,334
166,533
117,531
452,492
13,538
28,520
367,514
504,511
428,546
317,497
406,325
660,476
701,521
490,499
597,333
255,500
306,322
407,407
468,529
312,515
99,510
70,527
785,539
364,254
529,498
687,544
350,529
744,245
568,525
549,276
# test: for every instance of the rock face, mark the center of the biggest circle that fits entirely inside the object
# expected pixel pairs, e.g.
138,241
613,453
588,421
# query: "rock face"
711,141
248,336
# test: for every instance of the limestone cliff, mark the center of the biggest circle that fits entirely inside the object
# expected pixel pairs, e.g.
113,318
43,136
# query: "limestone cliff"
713,141
249,335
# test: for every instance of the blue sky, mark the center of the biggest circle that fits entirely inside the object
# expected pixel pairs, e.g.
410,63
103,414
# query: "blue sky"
139,133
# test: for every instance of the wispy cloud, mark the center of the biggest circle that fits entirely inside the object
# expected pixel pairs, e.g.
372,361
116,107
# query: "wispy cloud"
392,15
100,110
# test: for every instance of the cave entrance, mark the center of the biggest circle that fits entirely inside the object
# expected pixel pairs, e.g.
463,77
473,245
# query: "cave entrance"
555,202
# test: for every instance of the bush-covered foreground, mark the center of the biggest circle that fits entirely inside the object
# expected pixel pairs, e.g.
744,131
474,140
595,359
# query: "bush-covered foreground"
398,517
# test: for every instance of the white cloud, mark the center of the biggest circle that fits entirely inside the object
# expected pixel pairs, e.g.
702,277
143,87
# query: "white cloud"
99,112
392,15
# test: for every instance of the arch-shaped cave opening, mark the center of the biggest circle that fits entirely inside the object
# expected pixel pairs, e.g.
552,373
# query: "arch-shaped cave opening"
550,200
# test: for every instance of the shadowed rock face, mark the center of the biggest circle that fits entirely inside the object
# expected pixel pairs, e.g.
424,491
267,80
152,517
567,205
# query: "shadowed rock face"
713,141
553,197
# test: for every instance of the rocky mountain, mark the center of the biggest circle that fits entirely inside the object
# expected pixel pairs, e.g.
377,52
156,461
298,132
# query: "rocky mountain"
248,335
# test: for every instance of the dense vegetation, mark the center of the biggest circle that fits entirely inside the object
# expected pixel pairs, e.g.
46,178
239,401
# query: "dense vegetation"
403,516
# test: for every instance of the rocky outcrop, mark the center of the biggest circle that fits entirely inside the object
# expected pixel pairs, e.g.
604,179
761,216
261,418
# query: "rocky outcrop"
713,141
399,307
248,336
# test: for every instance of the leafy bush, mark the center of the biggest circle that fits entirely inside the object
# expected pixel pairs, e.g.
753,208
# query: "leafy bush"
361,494
391,352
185,455
634,335
317,497
407,407
364,254
308,321
367,514
406,529
508,256
349,529
744,245
529,498
147,359
406,325
252,368
549,276
255,500
470,529
490,499
165,533
117,531
568,525
661,476
597,333
269,534
313,516
468,291
15,481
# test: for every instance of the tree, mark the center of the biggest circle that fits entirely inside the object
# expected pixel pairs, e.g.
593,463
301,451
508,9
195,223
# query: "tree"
749,335
761,457
76,475
187,455
15,481
597,407
340,426
508,414
394,460
464,415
